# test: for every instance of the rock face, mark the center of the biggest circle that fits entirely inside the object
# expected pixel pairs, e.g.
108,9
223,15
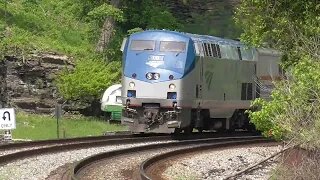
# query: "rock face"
30,83
3,84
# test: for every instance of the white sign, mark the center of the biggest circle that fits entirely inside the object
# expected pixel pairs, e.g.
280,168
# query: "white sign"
155,58
7,118
155,61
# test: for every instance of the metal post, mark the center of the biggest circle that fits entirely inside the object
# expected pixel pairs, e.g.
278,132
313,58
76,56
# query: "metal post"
58,112
58,127
7,135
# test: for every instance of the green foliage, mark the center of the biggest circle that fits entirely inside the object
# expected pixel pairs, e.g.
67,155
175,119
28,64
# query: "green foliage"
294,112
293,28
148,14
216,21
89,79
43,26
134,30
286,25
113,51
103,11
69,27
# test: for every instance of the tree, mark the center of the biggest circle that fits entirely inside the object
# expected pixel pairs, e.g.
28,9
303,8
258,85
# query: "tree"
108,14
293,28
290,26
148,14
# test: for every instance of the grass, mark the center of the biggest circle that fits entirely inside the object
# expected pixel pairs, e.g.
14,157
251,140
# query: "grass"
47,25
40,127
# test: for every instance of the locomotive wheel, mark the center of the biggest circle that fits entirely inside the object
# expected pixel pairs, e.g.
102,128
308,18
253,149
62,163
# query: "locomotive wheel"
177,131
188,130
200,130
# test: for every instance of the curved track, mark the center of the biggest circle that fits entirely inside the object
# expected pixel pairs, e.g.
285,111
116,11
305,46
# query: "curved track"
149,168
14,151
80,168
30,149
9,146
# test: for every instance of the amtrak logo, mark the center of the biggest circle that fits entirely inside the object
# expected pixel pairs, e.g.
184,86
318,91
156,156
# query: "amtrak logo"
155,64
208,76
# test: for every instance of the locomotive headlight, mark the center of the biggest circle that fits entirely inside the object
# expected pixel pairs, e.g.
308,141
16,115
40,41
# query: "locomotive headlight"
132,85
149,76
156,76
172,86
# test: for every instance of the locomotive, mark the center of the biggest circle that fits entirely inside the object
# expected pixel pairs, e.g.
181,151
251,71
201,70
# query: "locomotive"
176,82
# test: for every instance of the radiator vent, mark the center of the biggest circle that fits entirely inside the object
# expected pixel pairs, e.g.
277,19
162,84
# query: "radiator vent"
246,91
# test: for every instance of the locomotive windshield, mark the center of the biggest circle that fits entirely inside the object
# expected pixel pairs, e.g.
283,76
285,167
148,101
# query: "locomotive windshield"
172,46
142,45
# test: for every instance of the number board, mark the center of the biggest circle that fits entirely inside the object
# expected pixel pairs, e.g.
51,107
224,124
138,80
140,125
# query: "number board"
7,118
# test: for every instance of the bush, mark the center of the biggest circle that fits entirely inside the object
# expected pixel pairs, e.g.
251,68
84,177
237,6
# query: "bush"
294,111
89,79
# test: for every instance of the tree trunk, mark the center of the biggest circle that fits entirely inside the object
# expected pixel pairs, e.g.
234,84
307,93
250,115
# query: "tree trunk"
107,30
3,84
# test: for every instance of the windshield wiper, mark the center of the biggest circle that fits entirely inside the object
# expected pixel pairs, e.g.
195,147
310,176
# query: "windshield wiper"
146,49
178,53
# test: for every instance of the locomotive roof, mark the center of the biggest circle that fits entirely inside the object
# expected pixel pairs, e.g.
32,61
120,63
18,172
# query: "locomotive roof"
201,38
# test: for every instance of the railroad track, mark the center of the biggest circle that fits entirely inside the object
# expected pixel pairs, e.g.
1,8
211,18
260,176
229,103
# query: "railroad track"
152,167
89,168
17,151
9,146
33,156
14,151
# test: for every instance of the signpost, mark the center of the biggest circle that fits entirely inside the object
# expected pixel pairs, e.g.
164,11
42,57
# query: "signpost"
7,119
58,114
7,122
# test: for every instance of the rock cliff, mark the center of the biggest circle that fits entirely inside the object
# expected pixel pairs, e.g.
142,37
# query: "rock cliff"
30,82
3,84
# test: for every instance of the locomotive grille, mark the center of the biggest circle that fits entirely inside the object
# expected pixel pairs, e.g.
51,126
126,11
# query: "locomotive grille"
246,91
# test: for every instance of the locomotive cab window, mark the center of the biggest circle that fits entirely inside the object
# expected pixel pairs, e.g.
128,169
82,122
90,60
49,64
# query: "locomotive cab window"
142,45
246,53
172,46
229,52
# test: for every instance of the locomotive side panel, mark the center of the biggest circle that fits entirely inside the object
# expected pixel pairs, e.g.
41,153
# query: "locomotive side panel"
228,84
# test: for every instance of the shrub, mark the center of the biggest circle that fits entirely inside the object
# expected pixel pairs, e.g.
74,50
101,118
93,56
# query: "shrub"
294,111
89,78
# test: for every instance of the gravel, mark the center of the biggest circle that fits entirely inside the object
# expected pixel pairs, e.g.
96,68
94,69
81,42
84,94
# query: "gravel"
122,167
39,167
207,165
221,163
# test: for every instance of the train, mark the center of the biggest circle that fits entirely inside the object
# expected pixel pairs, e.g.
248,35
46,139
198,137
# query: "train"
177,82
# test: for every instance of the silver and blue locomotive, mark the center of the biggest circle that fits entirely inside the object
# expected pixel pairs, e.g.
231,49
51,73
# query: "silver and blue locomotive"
174,81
